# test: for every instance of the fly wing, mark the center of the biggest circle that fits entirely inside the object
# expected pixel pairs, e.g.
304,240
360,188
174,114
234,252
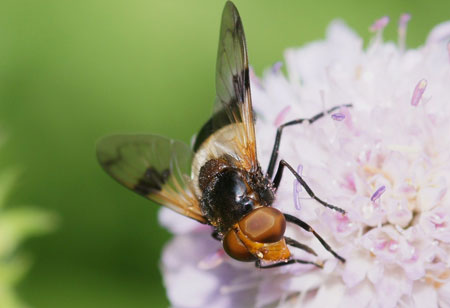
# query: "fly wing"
233,99
153,166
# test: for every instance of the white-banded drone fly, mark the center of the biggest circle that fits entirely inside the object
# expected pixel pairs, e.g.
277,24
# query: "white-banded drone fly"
219,181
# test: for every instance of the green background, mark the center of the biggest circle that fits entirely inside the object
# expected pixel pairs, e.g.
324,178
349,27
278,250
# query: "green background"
73,71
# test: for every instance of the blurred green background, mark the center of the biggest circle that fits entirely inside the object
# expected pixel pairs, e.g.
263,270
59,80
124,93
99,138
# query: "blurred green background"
73,71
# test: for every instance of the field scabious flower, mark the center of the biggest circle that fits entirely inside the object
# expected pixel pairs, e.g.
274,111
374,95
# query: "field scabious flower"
386,161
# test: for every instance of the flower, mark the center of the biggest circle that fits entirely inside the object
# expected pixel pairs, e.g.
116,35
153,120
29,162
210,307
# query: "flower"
386,161
16,224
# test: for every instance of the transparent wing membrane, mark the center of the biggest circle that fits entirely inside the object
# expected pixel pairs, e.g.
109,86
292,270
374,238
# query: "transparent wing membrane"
153,166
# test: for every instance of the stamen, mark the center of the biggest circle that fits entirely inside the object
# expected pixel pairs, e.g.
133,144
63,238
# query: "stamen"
404,19
379,24
297,189
418,92
377,194
378,27
402,25
280,117
277,67
338,116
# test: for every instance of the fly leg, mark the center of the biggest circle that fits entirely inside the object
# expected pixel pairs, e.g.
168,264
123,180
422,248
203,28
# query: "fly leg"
305,226
277,179
283,263
294,243
276,146
216,235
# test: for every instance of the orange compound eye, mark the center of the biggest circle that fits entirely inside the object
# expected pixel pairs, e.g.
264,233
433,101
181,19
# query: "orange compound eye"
236,249
264,225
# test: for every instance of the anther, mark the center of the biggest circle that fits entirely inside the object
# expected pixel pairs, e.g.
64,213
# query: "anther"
377,194
418,92
379,24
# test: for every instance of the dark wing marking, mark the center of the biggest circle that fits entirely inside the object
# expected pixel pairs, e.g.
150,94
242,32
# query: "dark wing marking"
233,99
153,166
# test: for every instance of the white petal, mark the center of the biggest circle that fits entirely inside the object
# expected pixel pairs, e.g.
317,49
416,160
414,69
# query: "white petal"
191,287
425,295
444,295
355,271
439,33
176,223
359,296
330,295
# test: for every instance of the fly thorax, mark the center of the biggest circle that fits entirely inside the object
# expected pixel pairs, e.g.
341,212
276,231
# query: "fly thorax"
226,195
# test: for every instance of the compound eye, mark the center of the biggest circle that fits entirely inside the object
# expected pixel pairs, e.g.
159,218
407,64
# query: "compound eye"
264,225
236,249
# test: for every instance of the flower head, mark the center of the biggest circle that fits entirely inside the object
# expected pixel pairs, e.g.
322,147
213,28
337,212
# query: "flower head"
386,161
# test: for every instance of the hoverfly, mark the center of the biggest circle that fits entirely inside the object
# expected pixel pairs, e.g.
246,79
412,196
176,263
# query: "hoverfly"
219,182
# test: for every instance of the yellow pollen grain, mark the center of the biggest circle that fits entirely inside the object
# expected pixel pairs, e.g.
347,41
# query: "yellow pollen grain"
434,282
375,170
358,72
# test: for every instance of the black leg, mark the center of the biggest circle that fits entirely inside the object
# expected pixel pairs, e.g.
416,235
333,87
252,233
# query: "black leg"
277,179
216,235
305,226
276,146
294,243
283,263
